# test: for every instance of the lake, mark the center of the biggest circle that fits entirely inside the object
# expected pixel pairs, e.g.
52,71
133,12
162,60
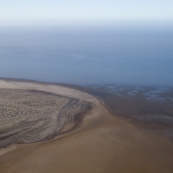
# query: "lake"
88,55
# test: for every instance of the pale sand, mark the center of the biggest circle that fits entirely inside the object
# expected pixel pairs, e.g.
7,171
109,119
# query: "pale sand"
102,143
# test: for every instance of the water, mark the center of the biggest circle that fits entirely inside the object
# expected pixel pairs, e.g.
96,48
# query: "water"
88,55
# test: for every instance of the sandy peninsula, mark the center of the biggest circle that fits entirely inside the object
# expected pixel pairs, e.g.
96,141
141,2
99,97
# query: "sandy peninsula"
53,128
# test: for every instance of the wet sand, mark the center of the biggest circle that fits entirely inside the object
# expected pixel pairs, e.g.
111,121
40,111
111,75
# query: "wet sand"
150,108
101,143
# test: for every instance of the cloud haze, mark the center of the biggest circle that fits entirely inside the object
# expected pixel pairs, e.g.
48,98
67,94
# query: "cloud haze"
56,12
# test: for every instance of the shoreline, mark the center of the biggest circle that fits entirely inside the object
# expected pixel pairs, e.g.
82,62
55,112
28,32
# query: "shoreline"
75,86
101,143
75,117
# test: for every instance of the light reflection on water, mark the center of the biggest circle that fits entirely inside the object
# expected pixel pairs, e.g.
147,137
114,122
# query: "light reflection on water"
160,94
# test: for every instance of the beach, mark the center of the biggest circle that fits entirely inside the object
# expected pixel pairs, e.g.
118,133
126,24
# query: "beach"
97,142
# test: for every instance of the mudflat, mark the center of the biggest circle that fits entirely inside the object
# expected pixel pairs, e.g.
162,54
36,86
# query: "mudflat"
100,143
30,116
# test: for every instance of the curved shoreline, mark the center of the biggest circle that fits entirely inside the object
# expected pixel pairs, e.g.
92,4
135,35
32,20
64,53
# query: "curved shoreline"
68,118
60,89
102,143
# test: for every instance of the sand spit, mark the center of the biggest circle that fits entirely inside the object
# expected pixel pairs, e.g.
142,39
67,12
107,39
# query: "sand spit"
30,116
102,143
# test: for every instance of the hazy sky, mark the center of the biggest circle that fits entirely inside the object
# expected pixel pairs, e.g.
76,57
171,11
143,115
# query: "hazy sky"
17,12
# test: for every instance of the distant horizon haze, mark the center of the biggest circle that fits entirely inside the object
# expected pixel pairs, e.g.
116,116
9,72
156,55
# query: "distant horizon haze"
87,42
89,55
53,12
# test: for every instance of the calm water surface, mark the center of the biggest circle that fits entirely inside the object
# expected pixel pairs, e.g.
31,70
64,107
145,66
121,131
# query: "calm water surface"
88,55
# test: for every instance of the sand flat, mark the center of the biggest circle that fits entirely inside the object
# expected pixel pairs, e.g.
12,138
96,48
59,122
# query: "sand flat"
101,143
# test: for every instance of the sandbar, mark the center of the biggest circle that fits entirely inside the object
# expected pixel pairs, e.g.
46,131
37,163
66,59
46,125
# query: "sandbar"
101,143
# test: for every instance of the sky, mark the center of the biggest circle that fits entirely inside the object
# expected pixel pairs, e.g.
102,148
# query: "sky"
35,12
135,50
